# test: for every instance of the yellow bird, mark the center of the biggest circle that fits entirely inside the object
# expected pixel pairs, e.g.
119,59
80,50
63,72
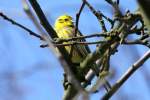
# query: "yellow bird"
64,27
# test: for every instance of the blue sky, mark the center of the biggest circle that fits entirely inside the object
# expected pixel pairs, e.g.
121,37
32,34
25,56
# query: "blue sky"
34,73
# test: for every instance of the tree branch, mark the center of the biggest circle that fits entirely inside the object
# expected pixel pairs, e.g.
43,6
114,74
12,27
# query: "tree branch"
78,17
97,14
21,26
126,76
137,41
30,14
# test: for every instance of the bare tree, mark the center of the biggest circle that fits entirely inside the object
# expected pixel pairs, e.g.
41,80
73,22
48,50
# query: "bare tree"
122,25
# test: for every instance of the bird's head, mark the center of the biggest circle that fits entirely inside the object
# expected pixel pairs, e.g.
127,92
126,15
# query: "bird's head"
63,21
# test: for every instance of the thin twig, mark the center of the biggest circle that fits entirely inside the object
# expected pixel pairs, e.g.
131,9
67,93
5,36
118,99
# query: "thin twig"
98,14
141,42
108,19
80,43
21,26
58,40
75,43
30,14
78,17
126,76
115,5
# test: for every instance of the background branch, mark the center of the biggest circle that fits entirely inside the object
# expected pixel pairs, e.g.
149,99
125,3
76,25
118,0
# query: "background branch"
30,14
21,26
78,17
127,74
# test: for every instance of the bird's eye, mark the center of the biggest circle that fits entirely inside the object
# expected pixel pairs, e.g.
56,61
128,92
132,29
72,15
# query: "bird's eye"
66,19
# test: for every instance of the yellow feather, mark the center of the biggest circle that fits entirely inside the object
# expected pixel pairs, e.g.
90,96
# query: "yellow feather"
64,28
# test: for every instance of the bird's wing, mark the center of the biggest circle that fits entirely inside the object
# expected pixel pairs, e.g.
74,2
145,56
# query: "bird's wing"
86,46
82,50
